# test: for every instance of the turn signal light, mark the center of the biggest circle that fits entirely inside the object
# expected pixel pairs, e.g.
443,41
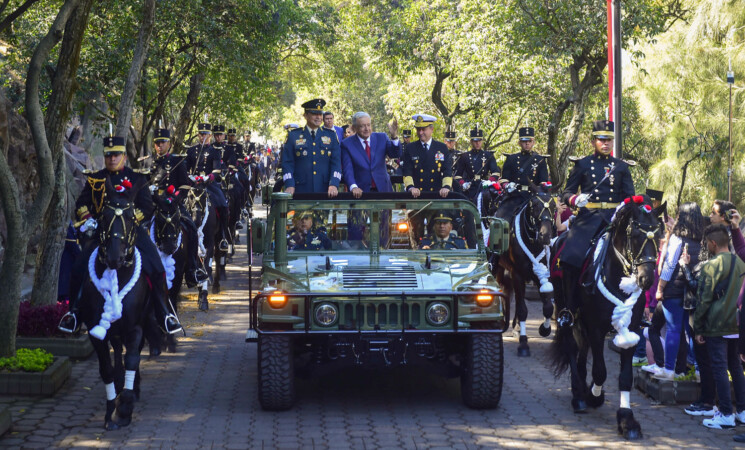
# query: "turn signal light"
277,301
484,300
403,227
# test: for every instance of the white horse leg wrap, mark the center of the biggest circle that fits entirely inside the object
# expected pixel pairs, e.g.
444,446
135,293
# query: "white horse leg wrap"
110,392
547,323
522,329
204,286
625,399
129,379
596,390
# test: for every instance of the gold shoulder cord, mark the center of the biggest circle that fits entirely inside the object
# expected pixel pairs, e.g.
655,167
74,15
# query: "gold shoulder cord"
101,188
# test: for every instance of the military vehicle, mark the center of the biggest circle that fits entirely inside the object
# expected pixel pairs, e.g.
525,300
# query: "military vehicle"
344,282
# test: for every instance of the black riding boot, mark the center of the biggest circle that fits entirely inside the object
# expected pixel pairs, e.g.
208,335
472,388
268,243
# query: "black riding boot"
224,214
570,286
195,272
153,268
69,322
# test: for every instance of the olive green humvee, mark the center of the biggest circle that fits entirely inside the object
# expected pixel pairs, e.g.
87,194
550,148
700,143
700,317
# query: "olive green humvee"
354,288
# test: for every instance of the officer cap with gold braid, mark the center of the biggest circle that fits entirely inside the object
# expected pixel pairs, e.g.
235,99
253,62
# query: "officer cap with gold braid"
423,120
603,129
527,133
113,144
443,215
477,134
219,129
204,128
655,194
450,133
314,106
406,133
162,135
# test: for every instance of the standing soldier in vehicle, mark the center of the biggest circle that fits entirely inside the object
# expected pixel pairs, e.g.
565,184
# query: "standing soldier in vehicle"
88,208
170,170
311,158
476,166
203,164
596,185
522,170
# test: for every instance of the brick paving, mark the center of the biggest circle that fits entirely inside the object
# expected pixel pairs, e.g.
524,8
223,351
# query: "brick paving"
204,396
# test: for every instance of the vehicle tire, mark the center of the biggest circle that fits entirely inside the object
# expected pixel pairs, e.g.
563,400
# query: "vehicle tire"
276,373
483,369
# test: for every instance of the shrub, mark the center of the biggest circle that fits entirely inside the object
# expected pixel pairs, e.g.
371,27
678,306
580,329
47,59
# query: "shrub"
27,360
40,321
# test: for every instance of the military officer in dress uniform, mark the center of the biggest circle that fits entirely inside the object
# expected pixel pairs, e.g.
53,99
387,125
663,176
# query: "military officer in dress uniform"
311,157
170,170
427,166
476,166
203,165
444,238
406,136
308,237
235,153
88,207
521,170
596,185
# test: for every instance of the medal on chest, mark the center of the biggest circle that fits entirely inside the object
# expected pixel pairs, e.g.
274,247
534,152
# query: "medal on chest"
439,157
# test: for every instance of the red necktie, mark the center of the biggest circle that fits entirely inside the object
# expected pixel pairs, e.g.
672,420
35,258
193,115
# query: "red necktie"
367,149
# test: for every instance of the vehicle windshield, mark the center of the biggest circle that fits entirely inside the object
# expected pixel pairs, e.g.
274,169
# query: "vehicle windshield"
426,225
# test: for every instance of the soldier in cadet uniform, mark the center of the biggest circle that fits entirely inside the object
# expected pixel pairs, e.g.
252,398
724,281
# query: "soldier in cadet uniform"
308,237
311,158
444,238
476,166
248,147
170,170
203,165
88,207
521,170
596,185
235,153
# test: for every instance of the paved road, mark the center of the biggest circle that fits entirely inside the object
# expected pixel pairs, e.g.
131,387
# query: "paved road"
205,396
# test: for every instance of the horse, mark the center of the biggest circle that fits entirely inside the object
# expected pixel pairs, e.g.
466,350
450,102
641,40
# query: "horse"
531,231
622,265
171,239
115,316
204,215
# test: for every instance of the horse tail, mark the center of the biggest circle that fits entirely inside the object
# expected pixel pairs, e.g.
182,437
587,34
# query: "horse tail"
566,345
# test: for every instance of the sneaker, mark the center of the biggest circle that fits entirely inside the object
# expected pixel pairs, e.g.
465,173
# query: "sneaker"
639,361
665,374
720,421
652,368
701,409
740,416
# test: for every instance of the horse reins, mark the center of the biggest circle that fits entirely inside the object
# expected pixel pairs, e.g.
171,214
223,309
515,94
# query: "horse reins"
629,266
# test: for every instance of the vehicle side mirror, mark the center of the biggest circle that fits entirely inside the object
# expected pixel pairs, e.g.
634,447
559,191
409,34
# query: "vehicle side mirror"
258,233
499,236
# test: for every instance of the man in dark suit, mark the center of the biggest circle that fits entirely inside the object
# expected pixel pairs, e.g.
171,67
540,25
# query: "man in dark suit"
363,157
328,123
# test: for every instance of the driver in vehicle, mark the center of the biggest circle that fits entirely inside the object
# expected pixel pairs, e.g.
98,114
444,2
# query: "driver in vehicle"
444,237
306,236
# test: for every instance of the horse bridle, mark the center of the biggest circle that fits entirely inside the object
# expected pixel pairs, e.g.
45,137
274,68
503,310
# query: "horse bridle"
532,223
172,221
629,261
127,234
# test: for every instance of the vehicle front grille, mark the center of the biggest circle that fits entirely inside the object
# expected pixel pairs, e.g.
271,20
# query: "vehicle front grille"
398,278
381,316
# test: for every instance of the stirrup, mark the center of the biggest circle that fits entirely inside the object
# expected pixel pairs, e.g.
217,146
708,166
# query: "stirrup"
224,245
177,326
201,275
238,225
565,318
75,323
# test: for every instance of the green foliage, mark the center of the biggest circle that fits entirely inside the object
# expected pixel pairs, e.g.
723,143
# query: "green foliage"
27,360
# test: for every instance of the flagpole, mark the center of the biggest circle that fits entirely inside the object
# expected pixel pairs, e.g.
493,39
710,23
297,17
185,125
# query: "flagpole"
617,78
730,81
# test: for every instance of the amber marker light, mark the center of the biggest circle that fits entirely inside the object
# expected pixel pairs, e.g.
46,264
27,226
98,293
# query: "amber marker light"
403,227
277,301
484,299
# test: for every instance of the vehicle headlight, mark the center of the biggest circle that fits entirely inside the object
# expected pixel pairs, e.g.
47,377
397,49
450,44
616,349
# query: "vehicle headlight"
438,313
326,314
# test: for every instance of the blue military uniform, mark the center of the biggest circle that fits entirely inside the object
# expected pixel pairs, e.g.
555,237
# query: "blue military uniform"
476,166
315,239
608,181
311,160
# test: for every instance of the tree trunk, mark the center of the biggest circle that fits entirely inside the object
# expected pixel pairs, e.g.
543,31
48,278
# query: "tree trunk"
64,85
21,223
184,117
135,70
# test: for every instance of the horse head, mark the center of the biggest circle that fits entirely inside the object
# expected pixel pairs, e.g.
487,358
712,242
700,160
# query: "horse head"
540,213
636,231
196,202
167,224
118,224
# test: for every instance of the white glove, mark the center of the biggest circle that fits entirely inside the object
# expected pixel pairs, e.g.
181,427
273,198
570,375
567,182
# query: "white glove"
511,186
582,200
89,224
153,188
485,184
466,185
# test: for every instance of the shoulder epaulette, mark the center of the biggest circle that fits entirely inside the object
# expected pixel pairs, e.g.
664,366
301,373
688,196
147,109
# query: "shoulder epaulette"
543,156
89,171
179,155
574,158
142,171
510,154
629,162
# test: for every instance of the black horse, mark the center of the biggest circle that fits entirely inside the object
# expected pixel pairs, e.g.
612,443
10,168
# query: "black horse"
171,239
113,303
610,297
204,215
531,231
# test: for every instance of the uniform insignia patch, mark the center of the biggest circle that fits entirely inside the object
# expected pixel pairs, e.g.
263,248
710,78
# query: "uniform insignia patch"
300,142
439,156
305,152
322,153
315,241
326,140
297,153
